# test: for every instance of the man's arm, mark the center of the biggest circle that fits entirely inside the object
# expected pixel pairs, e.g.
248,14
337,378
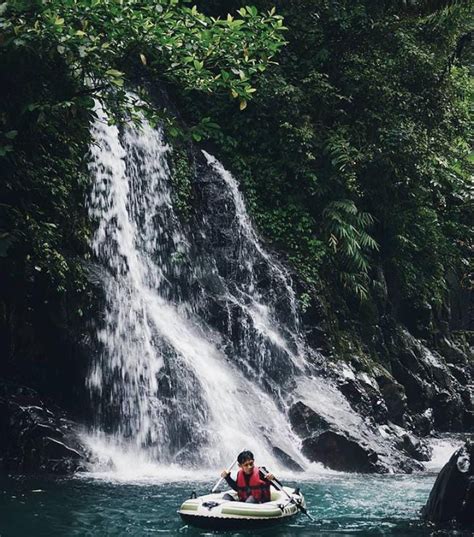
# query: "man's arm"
232,484
266,477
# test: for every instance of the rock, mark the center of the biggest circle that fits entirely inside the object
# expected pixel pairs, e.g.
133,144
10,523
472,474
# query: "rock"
418,316
305,421
409,466
418,390
224,301
394,397
288,461
416,448
429,382
365,399
34,438
452,351
452,498
338,452
190,453
448,411
423,424
459,373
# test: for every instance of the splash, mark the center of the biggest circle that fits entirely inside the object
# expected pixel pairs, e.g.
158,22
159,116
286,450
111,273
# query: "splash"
163,385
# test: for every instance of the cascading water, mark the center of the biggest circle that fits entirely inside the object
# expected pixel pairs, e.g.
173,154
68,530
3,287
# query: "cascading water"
200,346
259,286
163,383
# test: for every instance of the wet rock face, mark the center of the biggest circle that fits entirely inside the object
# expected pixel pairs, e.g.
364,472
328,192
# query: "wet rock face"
35,439
335,446
421,389
305,421
416,448
240,279
395,399
423,424
436,380
448,410
451,500
408,392
365,399
340,453
285,459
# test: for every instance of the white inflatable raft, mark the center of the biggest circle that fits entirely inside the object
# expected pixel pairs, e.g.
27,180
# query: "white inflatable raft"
213,512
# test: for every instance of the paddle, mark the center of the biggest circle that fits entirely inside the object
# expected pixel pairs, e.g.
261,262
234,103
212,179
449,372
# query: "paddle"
216,486
279,486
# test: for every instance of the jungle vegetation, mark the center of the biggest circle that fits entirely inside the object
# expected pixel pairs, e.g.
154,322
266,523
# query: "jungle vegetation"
357,150
348,122
58,59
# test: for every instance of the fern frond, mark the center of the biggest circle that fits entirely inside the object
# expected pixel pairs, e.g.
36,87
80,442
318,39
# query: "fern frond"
351,243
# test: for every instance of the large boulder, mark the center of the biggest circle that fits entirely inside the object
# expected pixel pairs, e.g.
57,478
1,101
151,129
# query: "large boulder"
35,438
341,453
287,460
324,442
452,498
342,446
305,421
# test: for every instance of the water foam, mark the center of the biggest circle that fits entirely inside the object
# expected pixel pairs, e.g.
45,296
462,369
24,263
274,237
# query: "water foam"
151,338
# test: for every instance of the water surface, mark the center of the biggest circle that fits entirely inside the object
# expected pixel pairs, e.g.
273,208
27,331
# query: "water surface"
341,504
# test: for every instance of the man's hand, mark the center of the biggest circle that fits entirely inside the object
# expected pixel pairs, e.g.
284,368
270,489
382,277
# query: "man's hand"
270,477
225,474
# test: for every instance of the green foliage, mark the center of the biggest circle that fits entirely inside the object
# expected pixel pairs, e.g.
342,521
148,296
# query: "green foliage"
98,39
291,229
354,151
181,175
361,138
42,179
57,57
431,7
350,242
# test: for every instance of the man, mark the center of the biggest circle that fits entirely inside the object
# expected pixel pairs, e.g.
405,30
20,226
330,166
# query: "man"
252,485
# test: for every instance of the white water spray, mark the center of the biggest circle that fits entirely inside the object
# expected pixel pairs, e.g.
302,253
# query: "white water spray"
201,353
164,387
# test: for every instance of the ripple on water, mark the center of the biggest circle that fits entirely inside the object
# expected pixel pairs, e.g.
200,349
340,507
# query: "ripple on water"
341,505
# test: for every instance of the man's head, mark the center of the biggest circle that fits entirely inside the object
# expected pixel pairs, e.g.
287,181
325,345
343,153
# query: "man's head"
246,461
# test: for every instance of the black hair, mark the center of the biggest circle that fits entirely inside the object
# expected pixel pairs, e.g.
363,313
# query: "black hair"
245,456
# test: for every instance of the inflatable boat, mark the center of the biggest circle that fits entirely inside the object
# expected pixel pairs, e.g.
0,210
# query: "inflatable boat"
213,512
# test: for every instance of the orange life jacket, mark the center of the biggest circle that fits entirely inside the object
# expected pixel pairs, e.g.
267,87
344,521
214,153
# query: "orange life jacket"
257,487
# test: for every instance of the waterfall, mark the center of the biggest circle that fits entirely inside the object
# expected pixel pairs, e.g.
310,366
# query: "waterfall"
200,349
200,352
173,381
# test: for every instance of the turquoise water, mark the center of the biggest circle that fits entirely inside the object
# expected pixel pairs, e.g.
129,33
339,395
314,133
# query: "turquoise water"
342,505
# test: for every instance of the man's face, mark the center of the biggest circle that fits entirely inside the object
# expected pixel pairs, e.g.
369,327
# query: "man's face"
247,466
